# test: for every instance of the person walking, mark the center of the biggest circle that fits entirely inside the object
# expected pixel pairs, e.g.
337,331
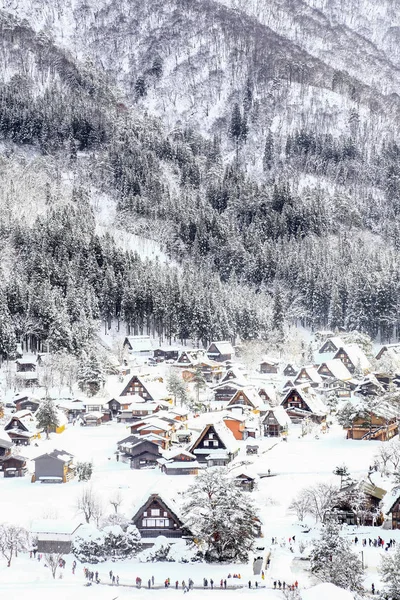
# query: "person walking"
274,585
117,579
373,589
111,574
176,584
249,584
113,579
149,583
225,583
152,580
212,583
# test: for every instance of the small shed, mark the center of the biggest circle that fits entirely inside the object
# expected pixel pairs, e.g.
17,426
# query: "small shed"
54,536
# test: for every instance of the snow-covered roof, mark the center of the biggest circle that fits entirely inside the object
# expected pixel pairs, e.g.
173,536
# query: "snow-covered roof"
356,355
55,526
281,416
251,394
174,452
337,368
139,343
5,440
311,372
269,361
27,361
310,397
327,591
58,454
222,347
225,435
336,341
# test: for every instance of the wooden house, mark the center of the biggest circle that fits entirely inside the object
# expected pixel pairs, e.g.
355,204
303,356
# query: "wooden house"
380,424
220,351
159,516
394,511
25,365
334,369
156,426
54,536
290,370
370,386
308,375
27,403
368,512
22,428
302,402
267,394
119,404
92,418
246,398
223,392
54,467
244,479
353,358
138,345
141,453
5,445
341,389
14,465
275,422
166,353
189,358
269,366
179,462
331,345
151,390
393,350
215,441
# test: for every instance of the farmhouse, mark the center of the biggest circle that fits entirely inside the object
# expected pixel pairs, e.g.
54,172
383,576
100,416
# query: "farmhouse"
54,536
379,423
215,441
335,369
223,392
220,351
353,358
246,398
14,465
138,345
302,402
159,516
308,375
269,366
179,462
22,428
151,390
275,422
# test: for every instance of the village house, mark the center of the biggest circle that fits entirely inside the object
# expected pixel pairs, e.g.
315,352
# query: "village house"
25,365
215,444
223,392
368,513
26,403
243,478
22,428
353,358
14,465
308,375
5,445
93,418
369,386
54,467
267,393
275,422
269,366
138,345
151,390
337,388
179,462
140,453
380,424
392,508
247,398
331,345
393,350
166,353
290,370
189,358
72,409
334,369
138,410
54,536
159,516
220,351
302,402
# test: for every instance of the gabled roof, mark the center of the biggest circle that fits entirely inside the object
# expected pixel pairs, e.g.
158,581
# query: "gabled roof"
311,372
139,343
168,503
270,361
356,355
55,526
174,452
251,394
5,440
222,347
223,433
280,415
337,369
310,398
235,383
335,340
60,455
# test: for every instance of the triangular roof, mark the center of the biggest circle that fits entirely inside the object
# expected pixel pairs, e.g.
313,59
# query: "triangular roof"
280,415
251,394
224,434
337,369
311,372
310,398
139,343
167,503
335,340
223,347
356,355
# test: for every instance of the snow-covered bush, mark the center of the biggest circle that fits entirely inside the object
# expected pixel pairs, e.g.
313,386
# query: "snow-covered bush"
84,471
119,543
157,553
89,545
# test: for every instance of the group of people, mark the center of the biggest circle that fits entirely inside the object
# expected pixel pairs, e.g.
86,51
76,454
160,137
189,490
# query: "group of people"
113,578
376,543
284,586
89,575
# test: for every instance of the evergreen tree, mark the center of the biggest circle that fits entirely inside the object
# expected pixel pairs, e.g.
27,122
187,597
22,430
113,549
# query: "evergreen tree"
235,130
268,157
333,560
390,574
90,374
199,383
47,417
221,517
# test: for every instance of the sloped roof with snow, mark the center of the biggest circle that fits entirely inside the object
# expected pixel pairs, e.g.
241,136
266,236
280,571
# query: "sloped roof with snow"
356,355
139,343
222,347
281,416
225,435
310,397
251,394
338,369
311,373
55,526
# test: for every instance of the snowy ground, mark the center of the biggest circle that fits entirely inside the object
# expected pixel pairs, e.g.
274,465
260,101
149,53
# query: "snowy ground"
294,464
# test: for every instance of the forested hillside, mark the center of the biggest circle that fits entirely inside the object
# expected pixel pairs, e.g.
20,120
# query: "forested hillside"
242,136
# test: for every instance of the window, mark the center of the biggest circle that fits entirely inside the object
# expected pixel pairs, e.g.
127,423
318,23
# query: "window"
155,512
206,443
165,514
210,436
215,443
145,514
148,523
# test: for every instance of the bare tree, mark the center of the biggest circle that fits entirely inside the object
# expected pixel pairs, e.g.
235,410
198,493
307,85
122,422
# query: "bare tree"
13,539
300,505
89,504
116,500
53,562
